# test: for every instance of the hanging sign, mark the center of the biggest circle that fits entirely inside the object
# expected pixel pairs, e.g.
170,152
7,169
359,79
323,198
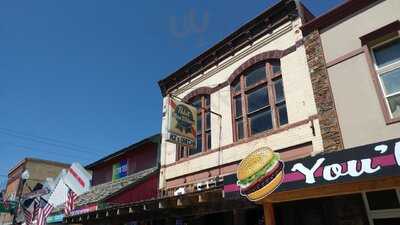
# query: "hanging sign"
120,169
181,123
360,163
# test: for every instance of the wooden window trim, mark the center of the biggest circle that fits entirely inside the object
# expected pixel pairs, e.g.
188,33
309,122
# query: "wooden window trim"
204,109
268,82
390,31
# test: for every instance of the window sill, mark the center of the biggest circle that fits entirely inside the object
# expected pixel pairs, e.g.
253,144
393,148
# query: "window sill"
391,121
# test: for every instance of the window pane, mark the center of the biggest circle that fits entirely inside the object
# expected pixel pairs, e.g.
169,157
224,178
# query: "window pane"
208,140
198,146
199,122
394,104
255,76
383,200
236,87
283,118
208,120
238,106
207,100
181,151
260,121
391,81
239,129
387,53
387,221
257,99
276,68
279,95
197,103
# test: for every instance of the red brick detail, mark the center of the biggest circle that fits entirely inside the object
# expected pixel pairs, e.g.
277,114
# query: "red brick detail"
274,54
197,92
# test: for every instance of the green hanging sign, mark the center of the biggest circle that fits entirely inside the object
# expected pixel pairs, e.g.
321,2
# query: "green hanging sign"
8,206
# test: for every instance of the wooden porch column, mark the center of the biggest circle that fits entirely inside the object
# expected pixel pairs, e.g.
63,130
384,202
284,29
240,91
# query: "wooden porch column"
269,216
238,217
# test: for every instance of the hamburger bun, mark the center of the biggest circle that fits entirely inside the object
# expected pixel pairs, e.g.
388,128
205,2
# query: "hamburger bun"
267,189
254,162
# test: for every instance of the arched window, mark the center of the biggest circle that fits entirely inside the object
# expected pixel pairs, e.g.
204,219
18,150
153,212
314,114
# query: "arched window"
258,100
203,133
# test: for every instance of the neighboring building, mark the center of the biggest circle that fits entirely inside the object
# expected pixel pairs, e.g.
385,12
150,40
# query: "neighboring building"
38,169
354,57
125,177
360,63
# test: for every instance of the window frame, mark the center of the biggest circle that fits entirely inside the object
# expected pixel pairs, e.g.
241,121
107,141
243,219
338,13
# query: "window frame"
269,83
381,213
380,71
204,109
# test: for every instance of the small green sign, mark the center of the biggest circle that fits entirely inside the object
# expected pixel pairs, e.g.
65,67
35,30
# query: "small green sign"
8,206
55,218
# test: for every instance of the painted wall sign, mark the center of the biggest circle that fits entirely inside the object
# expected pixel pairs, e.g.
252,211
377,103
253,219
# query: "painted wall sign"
120,169
355,164
181,122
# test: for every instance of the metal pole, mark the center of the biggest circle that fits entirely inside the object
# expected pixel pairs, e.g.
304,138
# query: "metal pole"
207,110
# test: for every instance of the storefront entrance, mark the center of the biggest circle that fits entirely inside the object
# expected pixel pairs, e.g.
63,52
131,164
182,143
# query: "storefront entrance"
368,208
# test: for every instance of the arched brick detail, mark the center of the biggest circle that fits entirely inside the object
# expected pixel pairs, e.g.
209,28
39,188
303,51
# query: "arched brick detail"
198,91
274,54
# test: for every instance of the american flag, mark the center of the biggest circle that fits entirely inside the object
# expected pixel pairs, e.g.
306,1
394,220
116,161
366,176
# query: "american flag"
70,202
28,209
44,210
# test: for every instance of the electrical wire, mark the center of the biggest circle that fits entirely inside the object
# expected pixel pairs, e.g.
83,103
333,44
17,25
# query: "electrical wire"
29,148
46,138
31,138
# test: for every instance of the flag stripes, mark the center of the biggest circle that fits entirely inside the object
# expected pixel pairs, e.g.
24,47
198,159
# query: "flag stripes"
70,202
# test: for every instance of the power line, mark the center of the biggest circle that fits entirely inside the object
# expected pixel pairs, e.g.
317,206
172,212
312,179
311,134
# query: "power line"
31,138
46,138
30,148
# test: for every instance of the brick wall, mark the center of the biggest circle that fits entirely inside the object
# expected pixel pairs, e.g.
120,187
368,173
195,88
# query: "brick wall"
329,124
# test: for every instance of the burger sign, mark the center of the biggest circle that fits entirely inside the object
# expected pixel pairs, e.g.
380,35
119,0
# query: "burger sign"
260,173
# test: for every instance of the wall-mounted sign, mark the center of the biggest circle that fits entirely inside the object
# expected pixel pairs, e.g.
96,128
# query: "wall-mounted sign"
181,122
120,169
360,163
260,173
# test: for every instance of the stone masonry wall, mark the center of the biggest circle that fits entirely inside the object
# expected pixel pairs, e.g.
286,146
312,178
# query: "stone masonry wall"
328,119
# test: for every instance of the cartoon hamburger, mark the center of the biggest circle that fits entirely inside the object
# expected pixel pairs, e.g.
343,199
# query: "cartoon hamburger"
260,173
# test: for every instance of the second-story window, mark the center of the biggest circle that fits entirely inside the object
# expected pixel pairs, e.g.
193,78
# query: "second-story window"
203,133
258,100
387,63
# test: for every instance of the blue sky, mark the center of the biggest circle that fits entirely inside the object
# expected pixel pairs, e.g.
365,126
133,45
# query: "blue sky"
78,79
